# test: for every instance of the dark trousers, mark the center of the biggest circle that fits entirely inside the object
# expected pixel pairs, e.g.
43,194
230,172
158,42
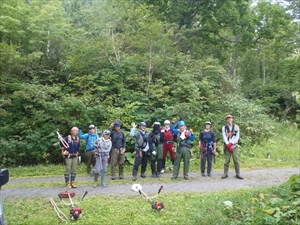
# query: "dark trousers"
90,155
206,157
155,169
138,161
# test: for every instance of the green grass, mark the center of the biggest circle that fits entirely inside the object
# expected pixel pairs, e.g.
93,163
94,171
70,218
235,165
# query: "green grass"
180,208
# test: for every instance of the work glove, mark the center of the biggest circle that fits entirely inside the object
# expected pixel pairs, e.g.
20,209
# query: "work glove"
79,159
174,120
66,153
145,150
133,125
191,130
229,146
187,135
154,152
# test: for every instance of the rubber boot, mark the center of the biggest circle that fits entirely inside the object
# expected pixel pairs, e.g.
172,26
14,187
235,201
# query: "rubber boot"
134,175
95,180
67,180
153,168
102,180
237,172
73,175
121,169
225,175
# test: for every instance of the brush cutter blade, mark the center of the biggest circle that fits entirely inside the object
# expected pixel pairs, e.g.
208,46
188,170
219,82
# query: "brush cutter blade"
64,194
136,187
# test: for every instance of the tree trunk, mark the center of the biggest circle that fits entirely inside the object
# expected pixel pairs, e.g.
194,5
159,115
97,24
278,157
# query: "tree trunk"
150,71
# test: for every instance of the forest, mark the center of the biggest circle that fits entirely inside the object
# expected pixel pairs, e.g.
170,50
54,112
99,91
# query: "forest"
66,63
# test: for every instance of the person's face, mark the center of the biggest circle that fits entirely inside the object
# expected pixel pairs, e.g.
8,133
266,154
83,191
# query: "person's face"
167,126
92,130
117,128
143,128
229,120
182,128
106,136
207,126
74,132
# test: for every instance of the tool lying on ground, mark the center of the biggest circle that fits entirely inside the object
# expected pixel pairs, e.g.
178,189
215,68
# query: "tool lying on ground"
75,212
156,206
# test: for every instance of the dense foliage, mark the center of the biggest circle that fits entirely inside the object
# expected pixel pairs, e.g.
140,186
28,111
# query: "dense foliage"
71,63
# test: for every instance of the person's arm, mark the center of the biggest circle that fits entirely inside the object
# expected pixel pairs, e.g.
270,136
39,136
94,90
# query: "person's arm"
82,136
224,135
172,128
200,138
236,138
132,132
124,142
214,139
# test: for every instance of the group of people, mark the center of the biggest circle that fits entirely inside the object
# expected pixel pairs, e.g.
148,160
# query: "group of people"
173,137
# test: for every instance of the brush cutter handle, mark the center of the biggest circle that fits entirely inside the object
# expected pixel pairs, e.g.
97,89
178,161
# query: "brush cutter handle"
85,193
159,190
60,197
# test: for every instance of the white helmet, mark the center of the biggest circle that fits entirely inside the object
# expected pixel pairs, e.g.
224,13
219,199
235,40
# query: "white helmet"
167,122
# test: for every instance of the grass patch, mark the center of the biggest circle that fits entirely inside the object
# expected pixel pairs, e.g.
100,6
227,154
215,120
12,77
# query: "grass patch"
180,208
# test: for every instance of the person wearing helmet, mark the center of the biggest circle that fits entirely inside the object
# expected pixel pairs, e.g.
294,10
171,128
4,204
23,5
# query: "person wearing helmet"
168,144
71,155
102,149
156,140
184,138
118,149
231,135
208,146
141,149
90,138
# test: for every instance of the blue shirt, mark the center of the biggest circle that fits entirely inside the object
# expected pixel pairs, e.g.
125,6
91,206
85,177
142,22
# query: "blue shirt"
90,139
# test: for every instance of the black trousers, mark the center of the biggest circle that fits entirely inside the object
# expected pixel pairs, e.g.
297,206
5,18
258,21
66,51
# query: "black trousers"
206,157
138,161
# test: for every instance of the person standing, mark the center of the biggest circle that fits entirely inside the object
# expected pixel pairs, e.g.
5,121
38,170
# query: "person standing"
103,147
71,156
156,140
90,138
167,145
231,135
208,146
118,150
141,149
184,138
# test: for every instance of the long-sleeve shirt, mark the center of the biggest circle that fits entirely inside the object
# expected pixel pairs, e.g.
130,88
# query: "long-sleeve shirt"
118,139
90,138
137,135
182,134
231,138
103,146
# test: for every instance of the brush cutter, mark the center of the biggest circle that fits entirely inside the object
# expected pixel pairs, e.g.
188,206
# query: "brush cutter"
156,206
75,212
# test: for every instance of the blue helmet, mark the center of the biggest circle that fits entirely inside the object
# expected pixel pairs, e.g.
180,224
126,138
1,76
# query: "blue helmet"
181,123
143,123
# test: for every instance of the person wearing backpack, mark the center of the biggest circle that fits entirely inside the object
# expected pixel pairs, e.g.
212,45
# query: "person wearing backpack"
231,135
90,138
141,149
103,147
156,140
208,146
184,138
71,156
118,149
168,144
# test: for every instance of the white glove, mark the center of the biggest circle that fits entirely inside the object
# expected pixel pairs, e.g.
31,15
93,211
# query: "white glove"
154,152
182,136
145,150
79,159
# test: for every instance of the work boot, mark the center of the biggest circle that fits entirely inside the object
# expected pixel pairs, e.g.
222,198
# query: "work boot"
225,175
186,177
73,185
113,178
203,174
158,175
95,180
121,168
68,185
237,172
173,177
162,170
143,175
208,175
134,178
153,175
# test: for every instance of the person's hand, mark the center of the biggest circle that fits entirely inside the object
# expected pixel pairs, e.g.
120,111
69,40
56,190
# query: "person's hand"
108,159
229,146
215,151
191,130
123,150
111,125
154,152
174,120
66,153
145,150
133,125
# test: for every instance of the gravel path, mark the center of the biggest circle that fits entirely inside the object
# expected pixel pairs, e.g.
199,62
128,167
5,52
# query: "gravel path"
253,178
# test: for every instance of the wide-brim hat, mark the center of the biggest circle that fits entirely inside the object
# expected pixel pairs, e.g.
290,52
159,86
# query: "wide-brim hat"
228,116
